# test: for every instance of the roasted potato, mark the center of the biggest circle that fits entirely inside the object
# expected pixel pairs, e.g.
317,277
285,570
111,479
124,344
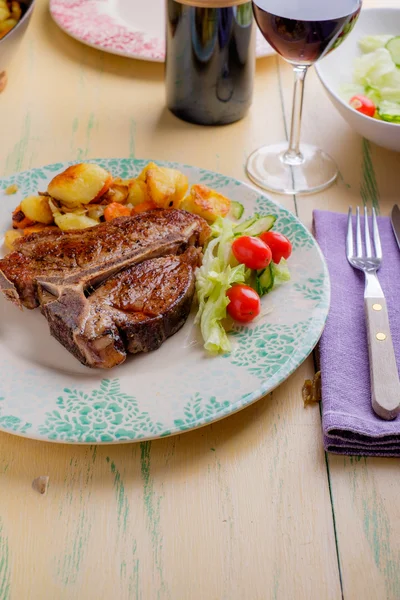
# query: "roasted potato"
72,221
117,193
19,219
6,26
137,192
4,11
11,236
143,175
95,211
80,184
206,203
37,209
10,14
11,189
165,187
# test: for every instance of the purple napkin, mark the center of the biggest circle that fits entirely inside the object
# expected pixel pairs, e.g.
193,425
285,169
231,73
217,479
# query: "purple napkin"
349,424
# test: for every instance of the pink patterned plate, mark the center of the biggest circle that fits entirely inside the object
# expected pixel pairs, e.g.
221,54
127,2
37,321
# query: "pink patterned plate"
131,28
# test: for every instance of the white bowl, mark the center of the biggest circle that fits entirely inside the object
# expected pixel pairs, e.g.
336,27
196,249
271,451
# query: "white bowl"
336,69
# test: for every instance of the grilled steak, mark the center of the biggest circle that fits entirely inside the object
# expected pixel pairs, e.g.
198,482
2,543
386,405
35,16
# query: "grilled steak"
123,286
88,257
133,311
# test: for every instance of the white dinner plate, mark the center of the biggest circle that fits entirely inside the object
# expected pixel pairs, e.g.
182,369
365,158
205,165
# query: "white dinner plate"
129,28
46,394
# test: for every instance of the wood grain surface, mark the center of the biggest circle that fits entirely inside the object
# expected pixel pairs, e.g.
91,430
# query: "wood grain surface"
249,508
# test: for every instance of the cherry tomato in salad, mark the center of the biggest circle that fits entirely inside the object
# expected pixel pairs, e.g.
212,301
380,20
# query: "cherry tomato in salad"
251,252
279,245
363,105
244,305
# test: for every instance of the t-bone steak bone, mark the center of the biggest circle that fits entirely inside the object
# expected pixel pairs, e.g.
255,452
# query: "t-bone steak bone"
133,311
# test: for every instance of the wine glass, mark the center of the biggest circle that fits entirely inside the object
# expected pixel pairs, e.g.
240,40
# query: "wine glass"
302,32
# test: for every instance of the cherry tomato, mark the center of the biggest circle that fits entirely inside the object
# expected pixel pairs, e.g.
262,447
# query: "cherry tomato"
244,305
279,244
251,252
363,105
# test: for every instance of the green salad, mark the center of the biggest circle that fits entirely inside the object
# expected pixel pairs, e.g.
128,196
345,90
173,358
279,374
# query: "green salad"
242,262
375,91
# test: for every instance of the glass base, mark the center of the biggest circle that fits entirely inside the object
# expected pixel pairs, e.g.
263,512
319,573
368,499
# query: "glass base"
273,169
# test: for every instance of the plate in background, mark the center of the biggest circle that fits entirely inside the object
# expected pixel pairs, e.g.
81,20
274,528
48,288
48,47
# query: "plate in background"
130,28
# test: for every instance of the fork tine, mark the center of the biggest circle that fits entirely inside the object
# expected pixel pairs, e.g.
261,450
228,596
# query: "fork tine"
368,249
349,237
358,234
375,234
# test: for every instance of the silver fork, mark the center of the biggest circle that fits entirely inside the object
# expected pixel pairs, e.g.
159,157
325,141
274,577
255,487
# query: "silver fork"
385,384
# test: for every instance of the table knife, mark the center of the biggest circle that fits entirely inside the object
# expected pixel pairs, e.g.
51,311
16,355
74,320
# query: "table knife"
395,220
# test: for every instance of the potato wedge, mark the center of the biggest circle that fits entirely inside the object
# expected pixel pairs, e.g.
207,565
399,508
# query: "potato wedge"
4,12
160,188
71,221
11,189
19,219
80,184
166,187
137,192
181,184
117,193
206,203
96,211
6,26
143,175
11,236
37,209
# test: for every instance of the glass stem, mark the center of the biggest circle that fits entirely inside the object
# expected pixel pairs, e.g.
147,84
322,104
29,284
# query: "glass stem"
293,155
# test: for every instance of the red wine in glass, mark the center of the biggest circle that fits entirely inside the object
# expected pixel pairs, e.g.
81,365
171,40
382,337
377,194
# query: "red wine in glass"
302,32
301,38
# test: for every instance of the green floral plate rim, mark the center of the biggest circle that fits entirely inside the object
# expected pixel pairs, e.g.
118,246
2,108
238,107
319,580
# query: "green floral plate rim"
46,395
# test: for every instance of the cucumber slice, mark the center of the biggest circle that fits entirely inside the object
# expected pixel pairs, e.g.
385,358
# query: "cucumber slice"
393,46
265,280
389,111
237,209
239,229
255,226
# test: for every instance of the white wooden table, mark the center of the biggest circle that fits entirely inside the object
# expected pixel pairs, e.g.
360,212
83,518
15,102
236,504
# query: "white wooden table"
249,508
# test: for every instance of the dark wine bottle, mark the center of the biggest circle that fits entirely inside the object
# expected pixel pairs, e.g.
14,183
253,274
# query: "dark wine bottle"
210,60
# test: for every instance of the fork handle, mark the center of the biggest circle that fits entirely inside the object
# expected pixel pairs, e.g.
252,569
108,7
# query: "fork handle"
385,383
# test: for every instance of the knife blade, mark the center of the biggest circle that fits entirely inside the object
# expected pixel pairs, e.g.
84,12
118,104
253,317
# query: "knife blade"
395,221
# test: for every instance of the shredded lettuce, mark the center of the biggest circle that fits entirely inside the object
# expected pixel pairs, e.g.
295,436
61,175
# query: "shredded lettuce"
377,76
373,69
219,271
213,280
281,272
369,43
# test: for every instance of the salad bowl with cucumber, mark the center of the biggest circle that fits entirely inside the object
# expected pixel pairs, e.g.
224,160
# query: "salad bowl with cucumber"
362,77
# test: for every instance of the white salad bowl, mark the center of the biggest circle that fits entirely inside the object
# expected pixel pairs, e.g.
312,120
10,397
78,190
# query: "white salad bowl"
336,70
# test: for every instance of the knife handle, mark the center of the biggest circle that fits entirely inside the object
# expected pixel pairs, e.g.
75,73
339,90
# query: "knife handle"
385,383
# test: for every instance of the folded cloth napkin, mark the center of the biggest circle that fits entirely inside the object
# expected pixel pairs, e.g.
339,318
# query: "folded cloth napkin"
349,424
